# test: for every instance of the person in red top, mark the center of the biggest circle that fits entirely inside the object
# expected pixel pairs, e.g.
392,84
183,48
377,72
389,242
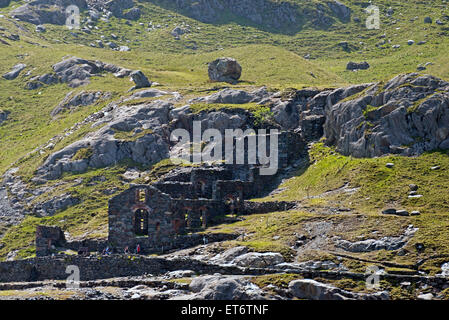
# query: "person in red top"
138,249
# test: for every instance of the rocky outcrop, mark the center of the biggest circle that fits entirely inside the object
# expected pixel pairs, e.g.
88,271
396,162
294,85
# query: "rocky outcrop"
234,96
408,116
52,206
45,11
102,148
14,73
83,98
314,290
258,260
75,72
262,12
385,243
224,288
225,70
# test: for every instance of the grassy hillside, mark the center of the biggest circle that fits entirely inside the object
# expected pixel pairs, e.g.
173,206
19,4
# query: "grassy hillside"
268,57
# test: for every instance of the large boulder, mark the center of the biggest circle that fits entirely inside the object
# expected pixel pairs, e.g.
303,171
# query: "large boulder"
357,66
140,80
225,70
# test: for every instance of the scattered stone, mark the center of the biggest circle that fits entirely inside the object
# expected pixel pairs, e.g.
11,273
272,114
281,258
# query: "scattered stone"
124,48
389,165
415,213
40,28
427,20
413,187
410,42
435,168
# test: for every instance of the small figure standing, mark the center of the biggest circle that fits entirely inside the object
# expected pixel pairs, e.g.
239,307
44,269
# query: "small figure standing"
138,249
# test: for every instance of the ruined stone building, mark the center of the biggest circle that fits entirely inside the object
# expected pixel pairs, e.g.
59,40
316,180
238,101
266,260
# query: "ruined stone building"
168,213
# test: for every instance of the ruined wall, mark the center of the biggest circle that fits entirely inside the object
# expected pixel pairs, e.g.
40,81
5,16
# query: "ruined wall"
177,190
47,238
157,210
203,180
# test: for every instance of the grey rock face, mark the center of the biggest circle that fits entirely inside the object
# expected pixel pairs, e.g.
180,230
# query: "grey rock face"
262,12
258,260
76,72
14,73
385,243
45,11
52,206
408,115
314,290
132,14
233,96
225,70
286,114
340,10
229,255
83,98
106,150
224,288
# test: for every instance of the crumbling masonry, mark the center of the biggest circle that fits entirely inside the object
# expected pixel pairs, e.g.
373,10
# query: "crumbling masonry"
169,212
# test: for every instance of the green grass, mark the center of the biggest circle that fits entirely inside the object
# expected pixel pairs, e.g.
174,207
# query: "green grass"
273,58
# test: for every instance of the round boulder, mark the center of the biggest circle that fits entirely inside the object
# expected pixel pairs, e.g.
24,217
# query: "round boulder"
225,70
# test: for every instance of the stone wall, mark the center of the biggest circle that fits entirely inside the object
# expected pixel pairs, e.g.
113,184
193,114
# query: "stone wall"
96,267
177,190
47,238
